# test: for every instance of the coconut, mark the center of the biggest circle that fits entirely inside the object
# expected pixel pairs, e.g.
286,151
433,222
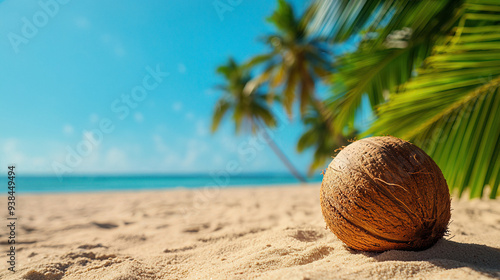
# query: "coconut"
383,193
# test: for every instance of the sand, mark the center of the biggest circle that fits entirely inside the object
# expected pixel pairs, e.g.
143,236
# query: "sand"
239,233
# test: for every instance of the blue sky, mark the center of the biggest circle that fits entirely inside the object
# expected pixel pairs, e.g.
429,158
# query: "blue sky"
64,65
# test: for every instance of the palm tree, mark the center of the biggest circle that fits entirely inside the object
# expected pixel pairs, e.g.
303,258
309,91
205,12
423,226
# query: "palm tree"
295,61
431,71
249,110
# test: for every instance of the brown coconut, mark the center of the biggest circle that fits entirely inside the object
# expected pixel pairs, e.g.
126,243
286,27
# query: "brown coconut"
383,193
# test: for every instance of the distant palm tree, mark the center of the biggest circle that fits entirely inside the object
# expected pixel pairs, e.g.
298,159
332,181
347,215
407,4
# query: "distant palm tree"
249,109
295,62
431,70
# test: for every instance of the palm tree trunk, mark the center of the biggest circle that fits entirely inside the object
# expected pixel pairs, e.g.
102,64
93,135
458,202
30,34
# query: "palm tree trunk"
280,154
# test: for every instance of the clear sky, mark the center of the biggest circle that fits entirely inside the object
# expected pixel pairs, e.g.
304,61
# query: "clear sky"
68,67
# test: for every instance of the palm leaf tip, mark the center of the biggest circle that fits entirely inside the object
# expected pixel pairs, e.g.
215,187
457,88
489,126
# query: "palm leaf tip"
283,17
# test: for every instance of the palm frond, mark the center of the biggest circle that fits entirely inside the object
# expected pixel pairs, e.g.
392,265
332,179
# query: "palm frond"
339,20
221,108
396,37
320,137
452,107
291,55
262,113
260,79
374,73
247,109
254,61
284,18
292,80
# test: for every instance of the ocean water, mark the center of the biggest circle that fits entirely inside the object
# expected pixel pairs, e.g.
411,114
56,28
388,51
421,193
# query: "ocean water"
95,183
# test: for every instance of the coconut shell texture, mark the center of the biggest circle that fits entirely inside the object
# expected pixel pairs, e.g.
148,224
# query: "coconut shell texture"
383,193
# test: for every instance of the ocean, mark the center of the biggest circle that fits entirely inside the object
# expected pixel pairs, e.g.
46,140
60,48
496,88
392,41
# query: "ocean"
96,183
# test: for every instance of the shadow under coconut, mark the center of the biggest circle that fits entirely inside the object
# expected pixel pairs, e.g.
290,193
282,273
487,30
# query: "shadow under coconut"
450,254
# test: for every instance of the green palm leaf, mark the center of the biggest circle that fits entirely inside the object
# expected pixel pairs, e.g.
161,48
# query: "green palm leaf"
452,107
395,38
247,109
373,73
339,20
318,136
295,61
220,111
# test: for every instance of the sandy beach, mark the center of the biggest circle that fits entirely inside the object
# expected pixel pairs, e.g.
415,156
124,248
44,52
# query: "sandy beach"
238,233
